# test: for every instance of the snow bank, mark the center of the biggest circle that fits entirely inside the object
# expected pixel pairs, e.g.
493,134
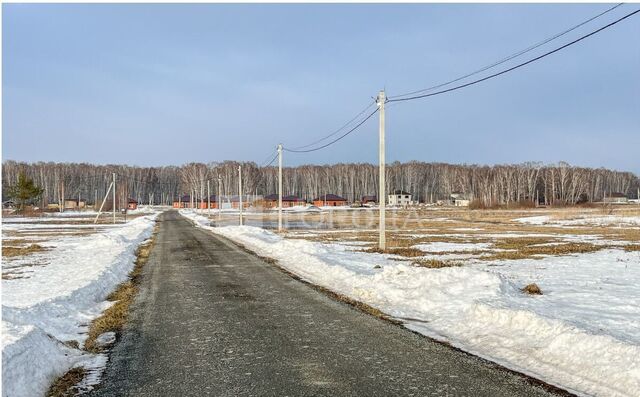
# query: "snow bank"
581,334
58,300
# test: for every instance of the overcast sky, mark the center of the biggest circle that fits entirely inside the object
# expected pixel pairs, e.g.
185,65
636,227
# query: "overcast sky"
171,84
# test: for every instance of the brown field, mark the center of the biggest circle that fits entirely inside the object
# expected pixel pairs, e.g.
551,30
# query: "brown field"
503,237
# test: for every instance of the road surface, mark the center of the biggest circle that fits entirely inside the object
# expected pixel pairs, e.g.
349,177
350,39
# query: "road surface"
212,319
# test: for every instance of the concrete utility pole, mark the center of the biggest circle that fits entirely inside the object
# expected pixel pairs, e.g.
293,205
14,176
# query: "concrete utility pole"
62,207
202,194
208,200
240,191
219,198
382,242
280,187
114,197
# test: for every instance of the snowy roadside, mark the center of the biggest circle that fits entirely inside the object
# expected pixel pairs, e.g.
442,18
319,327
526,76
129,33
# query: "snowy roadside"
45,314
583,334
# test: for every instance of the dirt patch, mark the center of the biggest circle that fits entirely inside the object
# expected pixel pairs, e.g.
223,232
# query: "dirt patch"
66,385
532,289
13,251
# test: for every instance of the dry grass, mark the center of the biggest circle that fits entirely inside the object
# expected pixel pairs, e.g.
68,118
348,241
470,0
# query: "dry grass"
538,252
13,251
632,247
66,385
406,252
115,317
436,263
532,289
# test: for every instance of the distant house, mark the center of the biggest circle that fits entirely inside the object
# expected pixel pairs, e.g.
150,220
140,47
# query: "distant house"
400,198
235,201
330,200
182,202
460,199
74,203
271,201
369,200
199,202
132,204
616,198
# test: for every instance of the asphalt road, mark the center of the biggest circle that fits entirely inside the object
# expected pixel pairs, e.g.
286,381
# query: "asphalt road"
212,319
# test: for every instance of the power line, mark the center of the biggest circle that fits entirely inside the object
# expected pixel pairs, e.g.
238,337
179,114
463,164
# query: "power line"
270,162
267,158
510,57
337,139
338,130
517,66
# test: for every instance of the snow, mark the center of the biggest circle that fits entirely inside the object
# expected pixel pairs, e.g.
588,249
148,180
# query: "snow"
534,220
57,300
582,334
606,220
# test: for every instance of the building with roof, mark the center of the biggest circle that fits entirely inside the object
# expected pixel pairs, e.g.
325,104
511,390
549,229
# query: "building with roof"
271,201
132,204
330,200
616,198
400,198
369,200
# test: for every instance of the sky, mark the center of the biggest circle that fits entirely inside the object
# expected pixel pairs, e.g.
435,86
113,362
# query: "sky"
162,84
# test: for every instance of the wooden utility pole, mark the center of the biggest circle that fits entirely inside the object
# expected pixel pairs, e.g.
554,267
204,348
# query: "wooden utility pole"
114,197
103,201
382,243
240,192
280,187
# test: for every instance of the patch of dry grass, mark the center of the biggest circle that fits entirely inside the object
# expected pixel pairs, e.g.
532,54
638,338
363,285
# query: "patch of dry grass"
65,385
406,252
532,289
115,317
436,263
13,251
538,252
632,247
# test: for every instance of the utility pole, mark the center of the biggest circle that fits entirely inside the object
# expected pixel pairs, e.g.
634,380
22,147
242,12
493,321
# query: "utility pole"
103,201
208,200
240,191
382,243
114,197
219,198
62,207
280,187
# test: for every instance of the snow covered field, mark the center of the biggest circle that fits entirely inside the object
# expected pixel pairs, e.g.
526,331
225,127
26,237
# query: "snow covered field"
49,297
582,334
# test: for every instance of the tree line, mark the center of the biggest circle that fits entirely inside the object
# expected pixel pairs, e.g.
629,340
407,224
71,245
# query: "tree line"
428,182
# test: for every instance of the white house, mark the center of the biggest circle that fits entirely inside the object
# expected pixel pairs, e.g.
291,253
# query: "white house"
615,198
460,199
400,198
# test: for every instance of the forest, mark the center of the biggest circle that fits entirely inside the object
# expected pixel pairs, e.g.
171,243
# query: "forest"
552,184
